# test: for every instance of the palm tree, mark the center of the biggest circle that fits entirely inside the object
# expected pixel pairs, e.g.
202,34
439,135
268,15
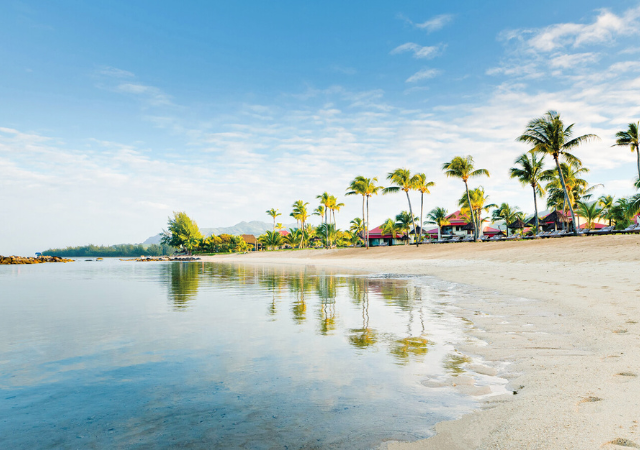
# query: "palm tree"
507,213
629,139
366,187
422,185
606,203
463,168
357,226
322,211
403,181
529,169
390,227
273,213
279,226
404,221
295,237
549,136
438,216
301,214
590,212
271,239
478,204
325,200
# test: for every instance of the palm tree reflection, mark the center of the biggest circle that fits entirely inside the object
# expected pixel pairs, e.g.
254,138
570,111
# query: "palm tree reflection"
362,337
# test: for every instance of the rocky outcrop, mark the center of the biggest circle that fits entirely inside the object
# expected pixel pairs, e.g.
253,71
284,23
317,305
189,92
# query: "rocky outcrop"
31,260
165,258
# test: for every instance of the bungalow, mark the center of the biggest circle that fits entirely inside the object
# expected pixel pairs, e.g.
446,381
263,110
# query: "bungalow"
252,241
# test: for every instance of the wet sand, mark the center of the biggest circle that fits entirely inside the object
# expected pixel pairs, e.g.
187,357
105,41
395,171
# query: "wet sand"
563,312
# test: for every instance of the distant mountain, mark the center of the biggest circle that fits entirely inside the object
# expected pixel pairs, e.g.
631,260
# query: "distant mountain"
254,227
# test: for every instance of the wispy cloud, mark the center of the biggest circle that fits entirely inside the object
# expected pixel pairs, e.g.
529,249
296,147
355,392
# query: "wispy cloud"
423,74
419,51
573,60
125,82
114,72
435,23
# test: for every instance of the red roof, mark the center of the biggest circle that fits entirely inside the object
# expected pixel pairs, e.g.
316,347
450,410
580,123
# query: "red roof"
457,218
596,226
490,230
283,232
376,233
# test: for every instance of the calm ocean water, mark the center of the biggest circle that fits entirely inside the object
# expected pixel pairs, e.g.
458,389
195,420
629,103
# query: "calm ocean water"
159,355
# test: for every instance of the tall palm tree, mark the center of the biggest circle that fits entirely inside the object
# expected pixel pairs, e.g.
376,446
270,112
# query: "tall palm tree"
590,212
402,180
366,187
422,185
325,200
463,168
273,213
629,139
335,207
404,221
478,204
301,214
549,136
529,169
507,213
438,216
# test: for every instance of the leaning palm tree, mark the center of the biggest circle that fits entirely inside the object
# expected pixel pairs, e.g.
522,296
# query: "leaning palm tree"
438,216
629,139
402,180
366,187
590,212
421,184
463,168
273,213
549,136
528,171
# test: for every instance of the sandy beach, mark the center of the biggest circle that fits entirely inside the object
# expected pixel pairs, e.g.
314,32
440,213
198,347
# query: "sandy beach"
563,312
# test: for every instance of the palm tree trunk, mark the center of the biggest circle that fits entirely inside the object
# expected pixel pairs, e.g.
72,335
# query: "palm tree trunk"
638,155
473,219
367,223
566,196
421,212
439,233
535,207
364,226
413,219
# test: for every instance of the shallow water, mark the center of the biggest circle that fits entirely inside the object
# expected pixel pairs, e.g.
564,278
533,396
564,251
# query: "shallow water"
153,355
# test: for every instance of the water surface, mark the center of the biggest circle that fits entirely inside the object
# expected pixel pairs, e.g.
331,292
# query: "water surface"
154,355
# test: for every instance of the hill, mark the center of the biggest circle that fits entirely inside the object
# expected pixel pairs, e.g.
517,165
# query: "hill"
254,227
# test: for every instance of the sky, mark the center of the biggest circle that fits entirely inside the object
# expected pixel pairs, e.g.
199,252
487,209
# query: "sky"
115,114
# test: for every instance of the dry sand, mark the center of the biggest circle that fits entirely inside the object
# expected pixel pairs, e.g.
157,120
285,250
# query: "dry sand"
574,347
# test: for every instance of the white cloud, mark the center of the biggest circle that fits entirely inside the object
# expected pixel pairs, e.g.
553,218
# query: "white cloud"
418,50
605,29
114,72
436,23
573,60
423,74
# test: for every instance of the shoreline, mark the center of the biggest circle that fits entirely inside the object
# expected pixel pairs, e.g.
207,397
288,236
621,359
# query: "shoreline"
567,317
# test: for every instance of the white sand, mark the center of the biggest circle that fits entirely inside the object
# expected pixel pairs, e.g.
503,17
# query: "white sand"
574,346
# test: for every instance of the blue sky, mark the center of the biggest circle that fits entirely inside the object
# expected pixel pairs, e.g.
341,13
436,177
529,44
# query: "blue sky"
113,114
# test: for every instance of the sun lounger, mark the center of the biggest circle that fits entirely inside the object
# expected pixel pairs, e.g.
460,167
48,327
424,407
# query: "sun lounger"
605,230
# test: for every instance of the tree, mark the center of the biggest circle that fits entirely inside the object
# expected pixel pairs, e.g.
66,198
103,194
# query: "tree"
463,168
295,238
606,203
182,232
549,136
629,139
478,204
273,213
507,213
357,228
404,220
301,214
590,212
623,211
390,227
329,231
422,185
402,180
271,239
366,187
438,216
528,170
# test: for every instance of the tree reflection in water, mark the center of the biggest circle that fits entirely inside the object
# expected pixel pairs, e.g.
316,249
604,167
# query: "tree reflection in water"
361,337
184,281
326,289
416,346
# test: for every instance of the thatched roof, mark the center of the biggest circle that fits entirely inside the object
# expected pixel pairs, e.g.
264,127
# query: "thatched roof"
468,226
557,217
517,224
